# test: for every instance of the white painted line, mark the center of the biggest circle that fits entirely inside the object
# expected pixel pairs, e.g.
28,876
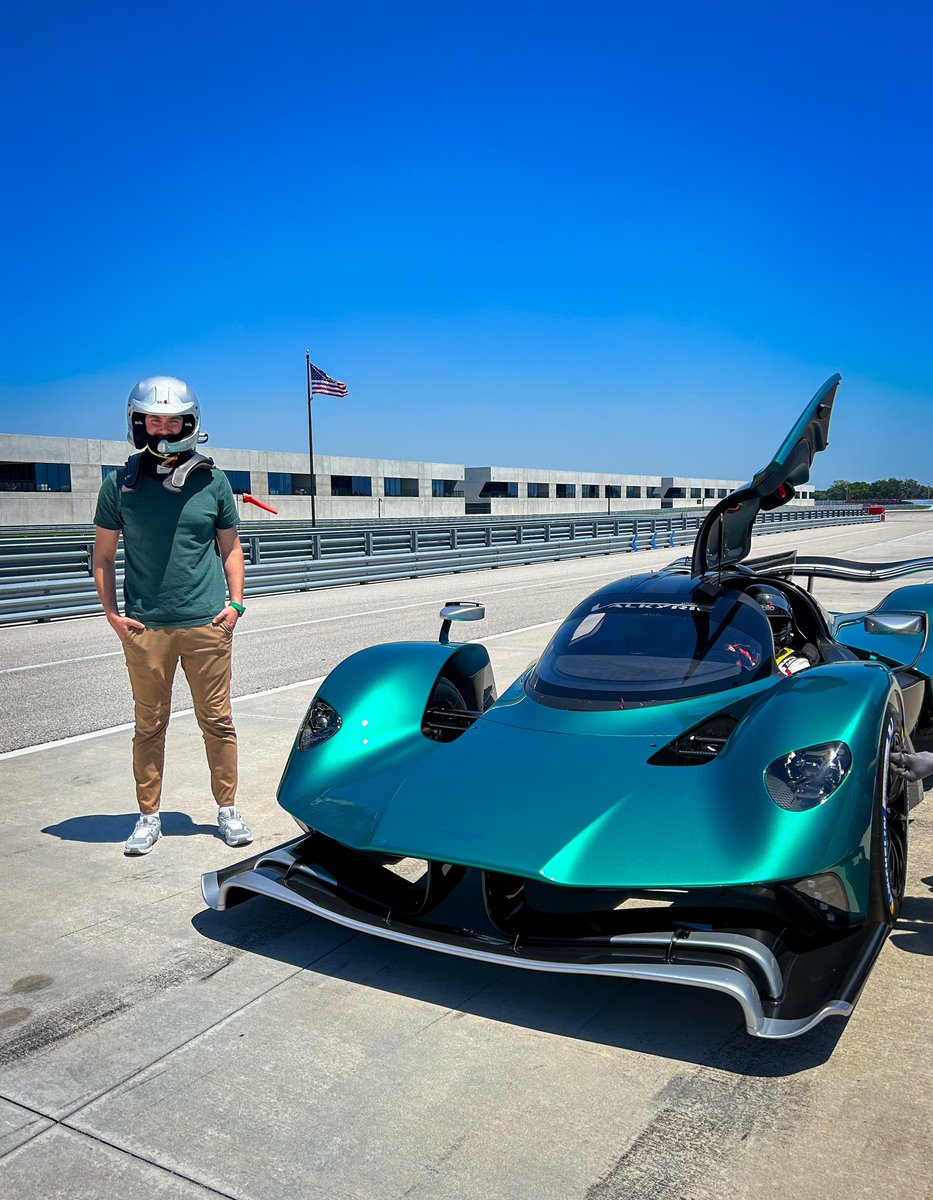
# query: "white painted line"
70,741
183,712
525,629
187,712
60,662
286,687
242,631
638,557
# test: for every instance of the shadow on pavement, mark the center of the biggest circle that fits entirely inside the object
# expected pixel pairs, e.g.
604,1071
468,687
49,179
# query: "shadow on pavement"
108,828
914,929
667,1020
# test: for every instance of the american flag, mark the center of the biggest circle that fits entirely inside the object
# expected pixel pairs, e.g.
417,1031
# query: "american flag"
323,385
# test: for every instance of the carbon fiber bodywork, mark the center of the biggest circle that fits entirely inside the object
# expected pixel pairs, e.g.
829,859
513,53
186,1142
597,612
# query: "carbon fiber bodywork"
780,962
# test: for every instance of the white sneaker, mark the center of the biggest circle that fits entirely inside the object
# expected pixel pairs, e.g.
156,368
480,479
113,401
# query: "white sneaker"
233,829
147,832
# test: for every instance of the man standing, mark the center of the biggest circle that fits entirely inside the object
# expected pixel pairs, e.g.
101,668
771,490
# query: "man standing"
179,524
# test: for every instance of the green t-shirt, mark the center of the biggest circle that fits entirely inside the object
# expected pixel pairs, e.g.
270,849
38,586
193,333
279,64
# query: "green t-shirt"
173,572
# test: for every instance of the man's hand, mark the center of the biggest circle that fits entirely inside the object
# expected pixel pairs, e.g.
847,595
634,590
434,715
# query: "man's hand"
912,767
227,616
122,625
231,555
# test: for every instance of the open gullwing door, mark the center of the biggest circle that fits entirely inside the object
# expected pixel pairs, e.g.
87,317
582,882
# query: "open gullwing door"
726,535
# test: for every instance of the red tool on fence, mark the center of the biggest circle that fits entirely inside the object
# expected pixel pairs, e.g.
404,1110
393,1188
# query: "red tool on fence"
248,499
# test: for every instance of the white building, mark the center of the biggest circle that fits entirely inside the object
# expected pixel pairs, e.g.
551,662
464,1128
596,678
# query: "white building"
518,490
55,481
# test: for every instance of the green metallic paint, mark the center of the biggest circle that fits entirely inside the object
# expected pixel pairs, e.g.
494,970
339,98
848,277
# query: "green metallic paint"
916,597
915,650
586,809
380,694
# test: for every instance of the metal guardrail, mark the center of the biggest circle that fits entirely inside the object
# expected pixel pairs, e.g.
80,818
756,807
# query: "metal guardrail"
42,584
86,530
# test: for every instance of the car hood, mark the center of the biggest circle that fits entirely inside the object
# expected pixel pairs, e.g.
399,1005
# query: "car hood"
585,810
726,534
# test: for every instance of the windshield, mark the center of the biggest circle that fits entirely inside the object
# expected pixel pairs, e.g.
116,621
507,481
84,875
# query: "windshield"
616,652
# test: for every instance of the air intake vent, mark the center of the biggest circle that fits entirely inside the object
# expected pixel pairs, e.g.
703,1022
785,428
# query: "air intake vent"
699,745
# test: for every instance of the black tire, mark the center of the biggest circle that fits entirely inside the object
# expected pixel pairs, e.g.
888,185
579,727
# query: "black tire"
889,824
445,697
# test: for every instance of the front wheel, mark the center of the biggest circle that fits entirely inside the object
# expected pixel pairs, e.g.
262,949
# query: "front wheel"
889,824
445,715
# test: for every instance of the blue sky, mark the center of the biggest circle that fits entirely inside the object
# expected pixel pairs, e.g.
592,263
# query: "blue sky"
601,236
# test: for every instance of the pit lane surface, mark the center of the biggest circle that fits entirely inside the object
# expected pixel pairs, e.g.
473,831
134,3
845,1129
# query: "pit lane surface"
149,1047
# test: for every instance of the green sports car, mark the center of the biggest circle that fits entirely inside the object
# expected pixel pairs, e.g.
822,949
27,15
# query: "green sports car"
692,784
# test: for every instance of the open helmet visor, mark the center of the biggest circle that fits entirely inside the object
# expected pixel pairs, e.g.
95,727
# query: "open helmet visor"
163,396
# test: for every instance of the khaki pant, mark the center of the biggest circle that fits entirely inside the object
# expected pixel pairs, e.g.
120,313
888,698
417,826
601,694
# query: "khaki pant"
205,652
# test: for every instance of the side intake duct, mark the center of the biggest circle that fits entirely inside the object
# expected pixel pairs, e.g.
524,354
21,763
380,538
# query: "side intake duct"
698,745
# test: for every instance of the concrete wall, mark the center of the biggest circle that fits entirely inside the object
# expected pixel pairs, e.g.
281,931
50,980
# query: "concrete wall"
86,457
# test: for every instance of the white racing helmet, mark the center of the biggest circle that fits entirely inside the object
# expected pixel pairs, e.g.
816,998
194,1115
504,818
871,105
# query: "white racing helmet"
164,396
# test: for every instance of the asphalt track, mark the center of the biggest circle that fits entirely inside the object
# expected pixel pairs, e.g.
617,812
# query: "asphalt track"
150,1047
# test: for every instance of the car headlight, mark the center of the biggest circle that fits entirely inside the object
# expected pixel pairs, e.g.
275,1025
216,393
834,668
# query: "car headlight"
827,891
826,898
806,778
321,722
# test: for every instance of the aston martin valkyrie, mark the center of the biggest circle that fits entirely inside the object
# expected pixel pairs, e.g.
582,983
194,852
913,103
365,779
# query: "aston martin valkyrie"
692,784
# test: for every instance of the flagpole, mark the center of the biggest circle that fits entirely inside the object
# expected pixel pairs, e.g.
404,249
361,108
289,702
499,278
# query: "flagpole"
310,438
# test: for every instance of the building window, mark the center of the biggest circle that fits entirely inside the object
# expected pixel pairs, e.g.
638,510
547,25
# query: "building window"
566,491
613,491
289,483
53,477
653,493
105,471
590,491
696,494
499,489
709,493
632,491
675,493
539,491
351,485
239,481
400,487
446,488
35,477
722,493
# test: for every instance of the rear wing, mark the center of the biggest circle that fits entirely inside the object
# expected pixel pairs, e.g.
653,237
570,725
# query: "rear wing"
814,567
788,563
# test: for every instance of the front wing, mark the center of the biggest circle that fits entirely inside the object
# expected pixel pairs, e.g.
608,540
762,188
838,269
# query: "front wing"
764,946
